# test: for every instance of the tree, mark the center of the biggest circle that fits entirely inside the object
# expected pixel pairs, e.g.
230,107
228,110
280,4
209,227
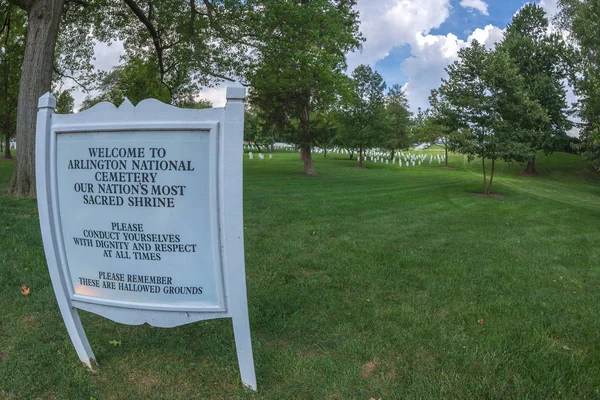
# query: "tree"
325,129
437,124
65,103
255,130
300,64
485,95
580,19
541,58
191,44
363,119
398,119
12,47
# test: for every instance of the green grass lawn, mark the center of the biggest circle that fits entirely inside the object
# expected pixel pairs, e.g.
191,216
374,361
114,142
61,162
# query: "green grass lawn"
381,282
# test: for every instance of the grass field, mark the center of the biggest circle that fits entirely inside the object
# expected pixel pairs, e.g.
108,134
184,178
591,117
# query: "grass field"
363,283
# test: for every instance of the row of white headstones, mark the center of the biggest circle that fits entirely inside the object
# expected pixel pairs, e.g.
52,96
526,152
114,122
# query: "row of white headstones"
408,158
376,157
260,155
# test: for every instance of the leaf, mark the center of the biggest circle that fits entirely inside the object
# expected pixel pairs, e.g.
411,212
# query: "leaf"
115,342
481,321
25,290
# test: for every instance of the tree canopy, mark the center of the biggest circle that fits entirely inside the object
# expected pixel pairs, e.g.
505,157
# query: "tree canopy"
580,19
486,97
541,57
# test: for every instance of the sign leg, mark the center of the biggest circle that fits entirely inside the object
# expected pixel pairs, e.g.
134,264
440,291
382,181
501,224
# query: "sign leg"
77,334
243,344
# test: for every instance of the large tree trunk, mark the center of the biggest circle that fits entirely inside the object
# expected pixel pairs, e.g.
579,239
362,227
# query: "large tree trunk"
306,156
530,169
43,19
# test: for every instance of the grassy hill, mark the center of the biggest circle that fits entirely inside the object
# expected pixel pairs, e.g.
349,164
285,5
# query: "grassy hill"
381,282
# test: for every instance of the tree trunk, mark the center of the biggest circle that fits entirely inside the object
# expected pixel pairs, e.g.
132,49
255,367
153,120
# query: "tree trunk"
530,169
446,149
392,154
43,19
489,190
306,156
360,156
7,153
484,177
325,152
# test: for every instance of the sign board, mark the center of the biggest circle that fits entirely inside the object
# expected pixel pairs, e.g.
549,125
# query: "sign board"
141,215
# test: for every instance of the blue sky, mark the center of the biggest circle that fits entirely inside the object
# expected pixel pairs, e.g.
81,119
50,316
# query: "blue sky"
409,42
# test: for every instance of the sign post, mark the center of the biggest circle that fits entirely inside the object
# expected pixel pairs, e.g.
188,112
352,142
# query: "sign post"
141,215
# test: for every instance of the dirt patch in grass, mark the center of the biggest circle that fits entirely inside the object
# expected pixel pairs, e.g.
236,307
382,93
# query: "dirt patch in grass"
7,159
493,195
145,382
368,368
444,167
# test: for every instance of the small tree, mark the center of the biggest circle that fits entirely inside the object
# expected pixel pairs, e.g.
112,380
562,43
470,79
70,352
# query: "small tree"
485,95
65,103
301,63
541,57
436,125
398,120
363,120
325,130
580,20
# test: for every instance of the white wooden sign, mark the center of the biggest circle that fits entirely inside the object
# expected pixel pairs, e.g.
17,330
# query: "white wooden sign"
141,215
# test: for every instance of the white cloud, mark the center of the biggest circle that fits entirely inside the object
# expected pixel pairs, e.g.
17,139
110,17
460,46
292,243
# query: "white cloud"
390,23
550,6
431,55
478,5
488,36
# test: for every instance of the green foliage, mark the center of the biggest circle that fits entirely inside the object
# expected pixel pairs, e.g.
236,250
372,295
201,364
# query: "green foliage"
580,19
541,57
12,48
398,119
300,62
326,129
364,123
485,96
256,132
65,103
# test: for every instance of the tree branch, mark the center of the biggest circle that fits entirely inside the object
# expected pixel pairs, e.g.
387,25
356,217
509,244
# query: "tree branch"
139,13
155,35
23,4
63,75
80,2
220,30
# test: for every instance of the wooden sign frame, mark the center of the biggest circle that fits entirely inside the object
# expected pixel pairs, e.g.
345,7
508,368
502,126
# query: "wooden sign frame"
224,127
